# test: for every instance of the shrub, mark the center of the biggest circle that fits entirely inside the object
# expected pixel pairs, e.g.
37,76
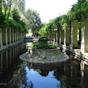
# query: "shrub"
43,44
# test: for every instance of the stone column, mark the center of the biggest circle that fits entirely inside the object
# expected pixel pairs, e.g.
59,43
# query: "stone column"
64,47
6,36
15,35
12,32
56,37
60,39
67,36
62,36
75,30
86,36
0,38
21,35
82,41
10,35
71,45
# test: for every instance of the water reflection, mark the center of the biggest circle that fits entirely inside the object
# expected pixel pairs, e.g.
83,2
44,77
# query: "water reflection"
31,78
39,77
39,81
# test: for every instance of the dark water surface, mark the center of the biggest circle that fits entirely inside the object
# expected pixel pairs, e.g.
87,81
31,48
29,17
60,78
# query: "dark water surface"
33,76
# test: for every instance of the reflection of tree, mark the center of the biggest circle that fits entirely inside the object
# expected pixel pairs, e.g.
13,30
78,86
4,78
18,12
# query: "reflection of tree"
44,72
24,79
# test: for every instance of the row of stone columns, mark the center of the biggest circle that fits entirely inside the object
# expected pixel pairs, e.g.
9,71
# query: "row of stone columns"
9,36
74,37
9,55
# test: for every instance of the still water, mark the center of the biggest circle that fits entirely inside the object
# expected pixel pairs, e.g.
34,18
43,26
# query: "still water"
33,76
36,80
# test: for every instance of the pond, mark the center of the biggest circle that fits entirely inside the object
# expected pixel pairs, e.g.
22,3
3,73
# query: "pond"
29,75
34,76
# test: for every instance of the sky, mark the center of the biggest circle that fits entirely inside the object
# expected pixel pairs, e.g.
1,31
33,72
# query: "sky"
50,9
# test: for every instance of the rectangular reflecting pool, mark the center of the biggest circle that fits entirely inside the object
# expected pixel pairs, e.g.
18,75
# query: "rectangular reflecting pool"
27,75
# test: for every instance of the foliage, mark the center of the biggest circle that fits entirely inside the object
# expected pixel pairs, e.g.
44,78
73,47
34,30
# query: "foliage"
43,30
10,18
13,21
79,11
2,19
43,44
65,21
34,21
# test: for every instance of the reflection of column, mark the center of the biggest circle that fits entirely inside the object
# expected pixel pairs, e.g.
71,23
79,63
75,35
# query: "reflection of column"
1,60
82,73
7,61
82,68
10,56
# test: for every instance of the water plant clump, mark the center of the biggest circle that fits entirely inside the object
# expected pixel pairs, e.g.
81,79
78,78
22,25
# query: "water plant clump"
43,44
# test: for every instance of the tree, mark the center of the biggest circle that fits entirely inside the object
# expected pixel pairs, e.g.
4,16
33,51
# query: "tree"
21,5
34,20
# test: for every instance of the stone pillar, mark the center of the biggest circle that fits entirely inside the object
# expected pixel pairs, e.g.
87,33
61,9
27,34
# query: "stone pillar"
75,32
60,39
68,36
56,37
21,35
0,38
86,36
62,36
6,36
10,35
15,35
64,47
71,45
82,41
